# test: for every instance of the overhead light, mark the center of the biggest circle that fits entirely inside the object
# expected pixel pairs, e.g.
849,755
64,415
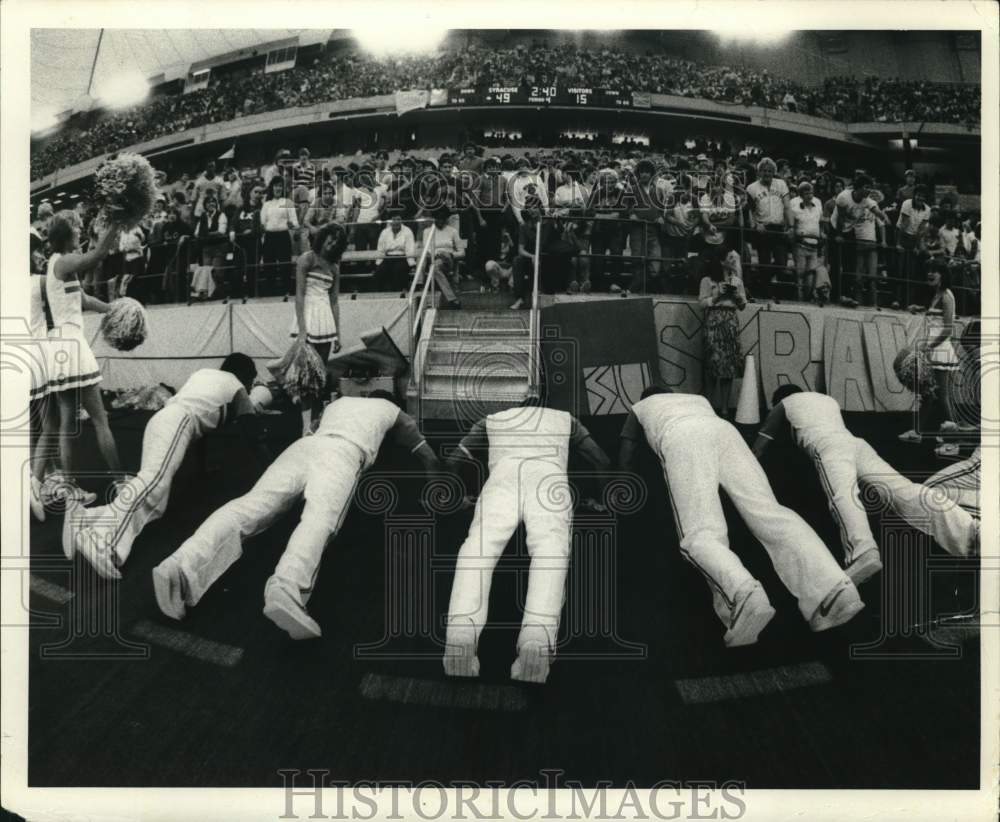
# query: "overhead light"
764,33
123,90
389,40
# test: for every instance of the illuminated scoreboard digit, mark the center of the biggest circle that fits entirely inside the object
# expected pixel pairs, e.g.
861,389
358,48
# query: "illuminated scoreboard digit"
503,95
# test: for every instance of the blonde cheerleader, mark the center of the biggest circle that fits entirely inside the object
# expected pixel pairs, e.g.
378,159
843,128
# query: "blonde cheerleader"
73,373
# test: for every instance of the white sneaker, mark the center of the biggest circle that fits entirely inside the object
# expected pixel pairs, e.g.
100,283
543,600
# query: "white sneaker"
287,614
168,586
518,304
837,607
949,425
61,489
948,450
534,660
750,614
35,499
910,436
460,650
864,566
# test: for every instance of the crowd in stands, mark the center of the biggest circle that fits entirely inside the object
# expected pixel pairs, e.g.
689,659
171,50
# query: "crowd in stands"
616,220
361,75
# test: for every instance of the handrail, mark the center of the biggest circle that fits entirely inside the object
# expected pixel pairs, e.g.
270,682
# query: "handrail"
418,317
534,319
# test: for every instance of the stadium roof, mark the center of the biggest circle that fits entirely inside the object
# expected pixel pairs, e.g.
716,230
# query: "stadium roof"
61,59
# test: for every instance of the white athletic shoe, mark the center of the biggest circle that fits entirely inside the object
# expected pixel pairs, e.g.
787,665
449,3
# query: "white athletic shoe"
864,566
751,613
287,614
460,650
169,588
534,659
949,425
911,436
837,607
35,499
518,304
59,488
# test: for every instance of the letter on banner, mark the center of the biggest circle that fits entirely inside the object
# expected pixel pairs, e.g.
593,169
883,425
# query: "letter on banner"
785,355
883,340
847,379
680,344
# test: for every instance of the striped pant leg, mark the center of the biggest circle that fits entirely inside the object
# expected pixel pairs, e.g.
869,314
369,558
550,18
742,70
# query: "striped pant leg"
143,498
801,559
836,461
690,457
218,543
924,507
548,512
332,476
496,517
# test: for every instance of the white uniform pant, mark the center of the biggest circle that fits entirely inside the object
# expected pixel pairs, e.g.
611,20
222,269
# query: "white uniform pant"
848,466
323,469
143,499
537,493
702,454
960,482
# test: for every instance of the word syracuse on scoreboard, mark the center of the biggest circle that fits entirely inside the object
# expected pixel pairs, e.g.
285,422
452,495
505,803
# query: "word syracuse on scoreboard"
553,95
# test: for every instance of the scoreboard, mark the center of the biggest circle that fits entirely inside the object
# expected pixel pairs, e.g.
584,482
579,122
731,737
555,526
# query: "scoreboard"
553,95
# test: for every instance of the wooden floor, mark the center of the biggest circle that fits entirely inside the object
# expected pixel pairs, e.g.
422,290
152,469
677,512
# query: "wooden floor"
226,699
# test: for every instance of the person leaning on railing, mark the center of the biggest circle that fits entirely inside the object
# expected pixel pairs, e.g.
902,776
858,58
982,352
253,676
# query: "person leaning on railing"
278,219
244,237
767,197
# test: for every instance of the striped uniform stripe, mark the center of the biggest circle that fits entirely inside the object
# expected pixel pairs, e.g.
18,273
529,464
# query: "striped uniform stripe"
340,521
157,479
828,488
76,381
680,535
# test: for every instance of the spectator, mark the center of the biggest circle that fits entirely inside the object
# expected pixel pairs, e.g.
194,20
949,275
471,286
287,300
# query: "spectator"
913,214
806,232
396,255
767,198
371,205
443,247
208,184
303,182
905,191
278,219
211,231
722,295
245,239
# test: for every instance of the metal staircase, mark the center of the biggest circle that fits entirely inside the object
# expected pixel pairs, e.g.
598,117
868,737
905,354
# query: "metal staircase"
472,361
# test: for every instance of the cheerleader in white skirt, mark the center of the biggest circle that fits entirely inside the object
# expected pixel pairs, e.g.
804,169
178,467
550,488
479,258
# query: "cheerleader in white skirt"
73,373
936,415
317,288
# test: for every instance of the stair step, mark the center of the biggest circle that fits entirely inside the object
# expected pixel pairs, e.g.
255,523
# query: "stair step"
463,371
482,319
485,345
480,360
488,301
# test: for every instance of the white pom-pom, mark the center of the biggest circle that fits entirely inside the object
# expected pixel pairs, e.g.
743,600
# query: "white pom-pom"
124,327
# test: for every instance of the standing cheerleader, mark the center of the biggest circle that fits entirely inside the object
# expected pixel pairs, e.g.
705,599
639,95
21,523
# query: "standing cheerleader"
73,371
317,288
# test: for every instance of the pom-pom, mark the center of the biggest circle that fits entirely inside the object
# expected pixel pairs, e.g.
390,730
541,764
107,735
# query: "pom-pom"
913,370
300,372
125,189
124,326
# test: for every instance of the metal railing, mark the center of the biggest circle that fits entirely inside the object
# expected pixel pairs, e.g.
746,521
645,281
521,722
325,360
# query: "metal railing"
417,317
675,270
534,358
